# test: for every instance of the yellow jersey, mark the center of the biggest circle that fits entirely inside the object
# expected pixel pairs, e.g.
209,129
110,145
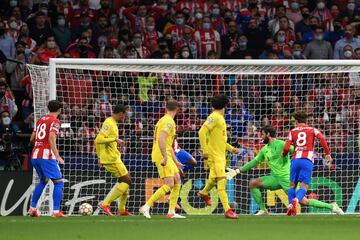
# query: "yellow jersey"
106,145
167,124
213,139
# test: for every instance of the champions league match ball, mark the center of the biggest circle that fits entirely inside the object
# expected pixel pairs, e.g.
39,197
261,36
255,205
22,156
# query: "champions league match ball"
85,209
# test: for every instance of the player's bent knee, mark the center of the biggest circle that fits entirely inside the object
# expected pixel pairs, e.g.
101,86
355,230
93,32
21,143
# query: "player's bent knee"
254,183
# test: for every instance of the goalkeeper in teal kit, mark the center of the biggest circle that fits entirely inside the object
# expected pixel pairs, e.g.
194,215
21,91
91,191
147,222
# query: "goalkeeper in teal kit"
280,172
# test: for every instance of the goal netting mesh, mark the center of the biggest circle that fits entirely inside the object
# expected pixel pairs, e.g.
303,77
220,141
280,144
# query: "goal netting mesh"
260,95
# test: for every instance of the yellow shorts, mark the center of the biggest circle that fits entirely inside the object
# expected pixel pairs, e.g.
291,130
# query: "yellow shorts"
117,169
169,170
217,169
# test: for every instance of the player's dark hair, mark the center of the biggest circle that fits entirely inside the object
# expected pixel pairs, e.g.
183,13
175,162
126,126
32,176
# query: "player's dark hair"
119,108
269,129
300,116
220,101
172,105
54,105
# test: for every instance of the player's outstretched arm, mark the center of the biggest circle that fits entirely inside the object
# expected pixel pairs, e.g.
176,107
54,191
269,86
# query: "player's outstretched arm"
52,141
324,145
231,173
286,148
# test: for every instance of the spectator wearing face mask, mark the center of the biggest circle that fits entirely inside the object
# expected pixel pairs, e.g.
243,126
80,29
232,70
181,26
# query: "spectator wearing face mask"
241,50
218,22
294,12
25,37
318,48
64,7
350,12
198,19
184,53
335,34
6,103
348,52
62,33
348,39
102,107
13,27
17,71
142,51
7,44
274,24
329,24
297,51
280,45
208,40
321,11
151,35
188,40
176,31
81,15
256,38
47,51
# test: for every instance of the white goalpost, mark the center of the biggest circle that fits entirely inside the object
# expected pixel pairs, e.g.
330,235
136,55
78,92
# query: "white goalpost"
261,92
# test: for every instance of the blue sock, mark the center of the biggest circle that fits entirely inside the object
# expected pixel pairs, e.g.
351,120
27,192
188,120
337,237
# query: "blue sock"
57,194
291,194
300,194
37,193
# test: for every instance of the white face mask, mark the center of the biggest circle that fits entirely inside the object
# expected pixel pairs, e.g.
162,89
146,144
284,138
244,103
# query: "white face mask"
6,121
198,15
321,5
185,54
348,54
150,28
13,25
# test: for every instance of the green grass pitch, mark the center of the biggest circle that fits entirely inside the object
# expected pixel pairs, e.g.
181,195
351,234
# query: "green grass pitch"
306,227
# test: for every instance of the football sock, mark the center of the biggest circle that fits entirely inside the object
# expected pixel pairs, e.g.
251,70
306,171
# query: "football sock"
174,196
291,194
123,200
57,194
319,204
300,194
256,194
37,193
116,193
211,182
221,187
158,194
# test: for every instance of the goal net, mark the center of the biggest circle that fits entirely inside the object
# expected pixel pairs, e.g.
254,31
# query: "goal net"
261,93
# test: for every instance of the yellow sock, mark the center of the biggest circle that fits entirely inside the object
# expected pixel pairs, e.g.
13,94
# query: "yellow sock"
221,187
174,196
211,182
123,200
118,191
158,194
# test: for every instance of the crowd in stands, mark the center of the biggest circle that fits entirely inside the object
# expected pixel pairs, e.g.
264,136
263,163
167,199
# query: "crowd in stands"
33,31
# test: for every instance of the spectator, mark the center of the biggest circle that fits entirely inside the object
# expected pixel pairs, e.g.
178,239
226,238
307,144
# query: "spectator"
188,40
208,40
199,15
297,51
280,46
62,33
290,34
47,51
13,27
329,24
319,48
105,9
336,34
7,45
304,25
80,49
176,31
17,70
309,36
274,24
40,31
141,50
351,12
256,38
137,15
349,38
84,24
124,40
185,53
241,50
357,53
294,12
25,37
348,52
230,40
6,103
163,48
151,35
81,15
321,11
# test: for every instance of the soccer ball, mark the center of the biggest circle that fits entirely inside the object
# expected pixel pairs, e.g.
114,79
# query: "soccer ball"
85,209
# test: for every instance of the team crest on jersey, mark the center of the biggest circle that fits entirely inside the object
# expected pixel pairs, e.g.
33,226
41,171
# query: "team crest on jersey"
169,126
106,128
210,120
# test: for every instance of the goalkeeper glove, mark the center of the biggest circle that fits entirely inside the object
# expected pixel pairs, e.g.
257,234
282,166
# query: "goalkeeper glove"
231,173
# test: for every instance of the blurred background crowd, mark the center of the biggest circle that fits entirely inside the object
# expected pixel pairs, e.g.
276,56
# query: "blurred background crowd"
33,31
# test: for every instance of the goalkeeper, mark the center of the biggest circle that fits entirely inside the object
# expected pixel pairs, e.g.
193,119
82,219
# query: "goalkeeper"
280,172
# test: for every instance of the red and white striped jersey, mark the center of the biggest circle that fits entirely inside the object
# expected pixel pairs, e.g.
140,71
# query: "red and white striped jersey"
303,138
233,5
176,146
206,41
44,126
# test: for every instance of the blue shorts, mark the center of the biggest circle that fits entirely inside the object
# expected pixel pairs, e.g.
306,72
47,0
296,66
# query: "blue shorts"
46,169
183,156
301,170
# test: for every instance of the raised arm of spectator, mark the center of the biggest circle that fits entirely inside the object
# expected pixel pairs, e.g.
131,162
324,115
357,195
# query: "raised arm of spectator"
130,13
